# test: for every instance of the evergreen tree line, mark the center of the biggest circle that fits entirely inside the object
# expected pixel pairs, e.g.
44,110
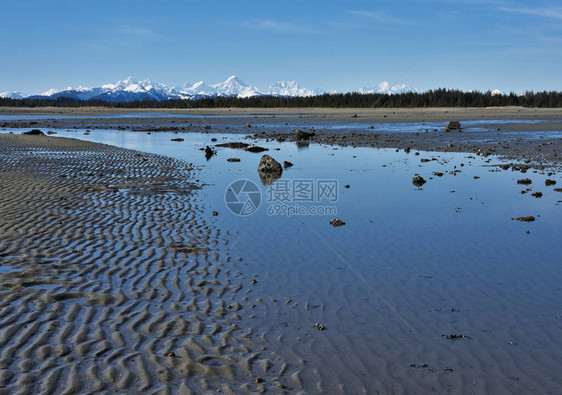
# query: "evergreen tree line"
432,98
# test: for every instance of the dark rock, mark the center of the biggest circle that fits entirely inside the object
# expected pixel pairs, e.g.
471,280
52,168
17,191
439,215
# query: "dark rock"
407,150
438,174
179,139
337,223
525,181
233,160
304,135
287,164
537,195
549,182
233,145
418,181
209,153
269,170
256,149
34,132
424,160
557,189
453,126
525,219
215,213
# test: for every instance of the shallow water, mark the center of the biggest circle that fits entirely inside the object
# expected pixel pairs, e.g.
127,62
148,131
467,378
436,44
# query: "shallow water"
409,266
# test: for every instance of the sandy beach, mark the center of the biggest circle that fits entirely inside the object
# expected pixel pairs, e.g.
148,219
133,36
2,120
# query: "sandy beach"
368,114
500,131
116,280
116,276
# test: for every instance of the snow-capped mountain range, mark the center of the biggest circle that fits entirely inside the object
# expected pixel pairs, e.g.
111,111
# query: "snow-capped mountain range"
131,90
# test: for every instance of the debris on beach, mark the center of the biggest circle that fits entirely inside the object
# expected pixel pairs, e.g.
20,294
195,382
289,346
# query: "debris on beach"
454,337
529,218
453,126
320,327
418,181
34,132
269,170
337,222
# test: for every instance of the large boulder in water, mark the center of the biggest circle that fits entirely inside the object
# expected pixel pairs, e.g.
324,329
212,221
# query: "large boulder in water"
269,169
303,136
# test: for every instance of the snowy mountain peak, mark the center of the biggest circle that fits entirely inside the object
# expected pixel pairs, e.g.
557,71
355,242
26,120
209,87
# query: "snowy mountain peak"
289,88
385,87
12,95
131,89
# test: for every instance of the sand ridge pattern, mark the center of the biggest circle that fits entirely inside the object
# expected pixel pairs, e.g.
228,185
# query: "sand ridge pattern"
112,281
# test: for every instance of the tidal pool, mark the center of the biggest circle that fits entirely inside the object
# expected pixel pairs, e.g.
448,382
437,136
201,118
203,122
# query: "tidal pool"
430,289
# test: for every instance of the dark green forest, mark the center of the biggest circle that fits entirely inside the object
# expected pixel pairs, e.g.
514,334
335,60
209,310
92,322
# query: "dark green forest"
433,98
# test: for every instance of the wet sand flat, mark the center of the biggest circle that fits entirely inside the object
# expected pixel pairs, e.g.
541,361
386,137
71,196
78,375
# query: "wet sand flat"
411,267
112,281
366,114
524,134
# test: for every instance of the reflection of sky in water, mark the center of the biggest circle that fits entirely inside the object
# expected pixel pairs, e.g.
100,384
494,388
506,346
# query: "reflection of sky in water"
452,243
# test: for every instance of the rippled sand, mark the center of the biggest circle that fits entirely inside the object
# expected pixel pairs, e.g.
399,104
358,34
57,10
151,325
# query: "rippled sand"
115,278
112,280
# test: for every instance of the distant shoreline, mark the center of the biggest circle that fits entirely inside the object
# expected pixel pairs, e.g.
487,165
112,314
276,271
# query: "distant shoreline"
440,114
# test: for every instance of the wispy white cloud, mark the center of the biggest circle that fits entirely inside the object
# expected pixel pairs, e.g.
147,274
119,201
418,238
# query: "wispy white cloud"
288,27
136,31
547,12
379,16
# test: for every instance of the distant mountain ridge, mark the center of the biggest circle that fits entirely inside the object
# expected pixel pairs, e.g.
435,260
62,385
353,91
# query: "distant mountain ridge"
129,89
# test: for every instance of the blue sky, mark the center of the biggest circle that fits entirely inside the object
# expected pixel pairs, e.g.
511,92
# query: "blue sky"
333,45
